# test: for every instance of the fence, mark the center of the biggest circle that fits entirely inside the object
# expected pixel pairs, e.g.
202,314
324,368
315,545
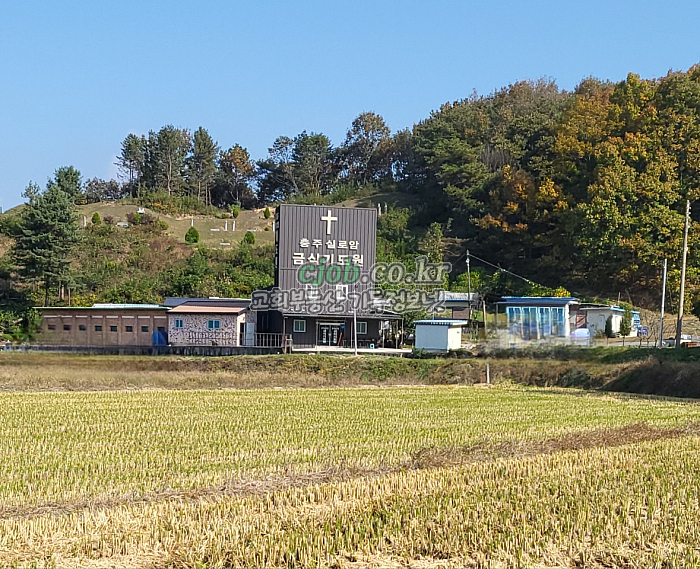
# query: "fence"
212,338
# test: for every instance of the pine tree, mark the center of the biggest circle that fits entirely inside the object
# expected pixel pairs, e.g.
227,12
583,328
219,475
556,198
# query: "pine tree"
47,232
201,165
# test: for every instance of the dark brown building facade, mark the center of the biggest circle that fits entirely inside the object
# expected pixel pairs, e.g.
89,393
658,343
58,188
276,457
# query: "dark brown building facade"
311,236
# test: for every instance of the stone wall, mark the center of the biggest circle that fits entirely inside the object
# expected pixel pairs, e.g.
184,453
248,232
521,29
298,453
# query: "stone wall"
194,331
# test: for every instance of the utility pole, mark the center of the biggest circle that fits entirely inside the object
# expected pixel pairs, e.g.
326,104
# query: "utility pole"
354,318
663,305
679,324
469,286
354,328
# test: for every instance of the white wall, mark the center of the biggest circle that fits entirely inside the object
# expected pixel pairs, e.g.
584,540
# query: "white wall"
438,338
454,338
596,321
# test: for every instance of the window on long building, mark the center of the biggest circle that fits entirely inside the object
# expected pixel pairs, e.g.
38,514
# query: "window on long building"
213,324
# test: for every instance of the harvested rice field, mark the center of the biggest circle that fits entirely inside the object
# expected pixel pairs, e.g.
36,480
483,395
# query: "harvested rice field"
359,476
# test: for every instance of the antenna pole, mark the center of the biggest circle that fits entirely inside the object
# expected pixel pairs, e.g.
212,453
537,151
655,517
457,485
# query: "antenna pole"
679,325
663,305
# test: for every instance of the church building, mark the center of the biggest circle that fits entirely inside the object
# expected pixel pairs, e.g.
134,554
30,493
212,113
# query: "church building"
324,257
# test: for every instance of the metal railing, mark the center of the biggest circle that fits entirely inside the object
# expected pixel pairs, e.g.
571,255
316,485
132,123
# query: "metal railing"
212,338
269,340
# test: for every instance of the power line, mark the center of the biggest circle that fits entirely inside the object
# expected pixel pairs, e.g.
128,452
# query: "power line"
504,270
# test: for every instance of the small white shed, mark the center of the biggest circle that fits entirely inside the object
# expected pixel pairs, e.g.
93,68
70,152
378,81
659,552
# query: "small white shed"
439,336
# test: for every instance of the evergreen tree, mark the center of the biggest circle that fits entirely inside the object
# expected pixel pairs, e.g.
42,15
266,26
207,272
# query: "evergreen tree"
608,327
626,323
47,232
201,165
171,148
68,180
192,236
132,158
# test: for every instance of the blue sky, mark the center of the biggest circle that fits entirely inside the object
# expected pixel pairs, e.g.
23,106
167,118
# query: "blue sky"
77,77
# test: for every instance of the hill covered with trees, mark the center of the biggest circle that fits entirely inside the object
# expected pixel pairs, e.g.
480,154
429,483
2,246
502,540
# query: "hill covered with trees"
583,190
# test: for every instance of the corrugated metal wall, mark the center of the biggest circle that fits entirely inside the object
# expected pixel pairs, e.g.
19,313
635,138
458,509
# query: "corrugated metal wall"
295,223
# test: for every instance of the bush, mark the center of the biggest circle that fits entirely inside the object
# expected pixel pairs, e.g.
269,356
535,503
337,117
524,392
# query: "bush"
608,327
162,225
249,238
626,323
235,210
266,213
96,219
109,220
192,236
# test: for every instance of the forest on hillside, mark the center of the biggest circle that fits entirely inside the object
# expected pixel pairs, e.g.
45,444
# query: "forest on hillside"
584,190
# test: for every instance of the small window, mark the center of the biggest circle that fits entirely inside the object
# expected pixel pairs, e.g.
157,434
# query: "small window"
300,325
361,328
112,328
66,327
82,327
178,323
161,328
98,328
144,328
213,324
129,328
52,326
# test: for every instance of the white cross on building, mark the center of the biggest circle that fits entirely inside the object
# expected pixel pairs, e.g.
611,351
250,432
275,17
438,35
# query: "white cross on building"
329,219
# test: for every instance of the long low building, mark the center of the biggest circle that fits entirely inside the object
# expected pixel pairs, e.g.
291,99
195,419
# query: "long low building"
105,325
193,322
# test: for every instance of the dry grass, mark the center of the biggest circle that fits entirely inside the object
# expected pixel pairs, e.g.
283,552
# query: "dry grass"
623,506
34,371
421,476
63,448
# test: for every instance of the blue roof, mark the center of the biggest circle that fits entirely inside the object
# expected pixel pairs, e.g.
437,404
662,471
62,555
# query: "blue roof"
539,300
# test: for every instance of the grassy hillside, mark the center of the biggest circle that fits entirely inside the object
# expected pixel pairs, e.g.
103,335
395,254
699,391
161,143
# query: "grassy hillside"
149,260
207,225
